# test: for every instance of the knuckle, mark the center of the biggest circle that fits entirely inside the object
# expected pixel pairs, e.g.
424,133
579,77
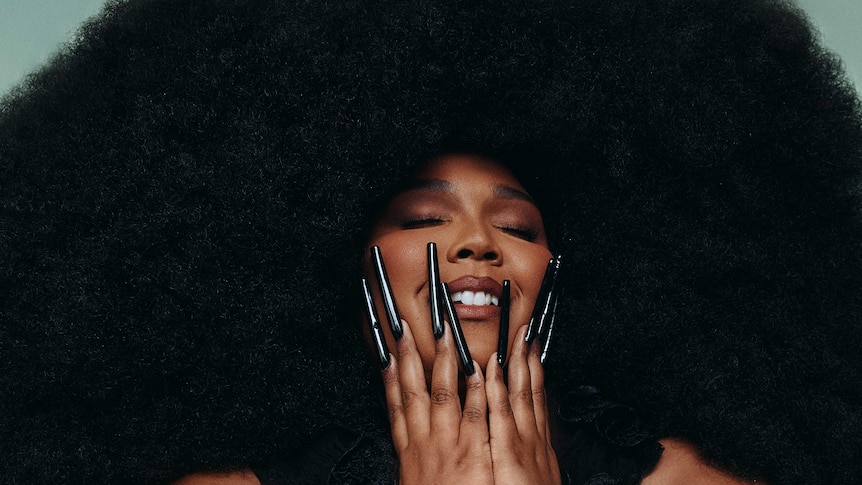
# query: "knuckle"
408,398
395,413
441,397
475,385
502,406
539,396
404,352
472,414
525,396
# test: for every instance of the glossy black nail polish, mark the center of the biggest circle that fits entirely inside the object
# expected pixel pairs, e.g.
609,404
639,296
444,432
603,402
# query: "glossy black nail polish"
546,344
533,326
374,324
434,290
503,336
457,335
386,291
547,310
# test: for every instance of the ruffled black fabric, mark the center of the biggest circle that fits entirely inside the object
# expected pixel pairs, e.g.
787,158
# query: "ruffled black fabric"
318,461
604,442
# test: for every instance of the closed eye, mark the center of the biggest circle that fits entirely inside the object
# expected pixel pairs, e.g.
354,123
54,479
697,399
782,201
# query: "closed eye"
422,223
527,234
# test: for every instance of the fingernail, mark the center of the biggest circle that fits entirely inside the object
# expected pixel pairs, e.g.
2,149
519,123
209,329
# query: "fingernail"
457,335
503,336
374,323
386,290
538,320
477,371
532,327
548,309
547,343
434,290
520,344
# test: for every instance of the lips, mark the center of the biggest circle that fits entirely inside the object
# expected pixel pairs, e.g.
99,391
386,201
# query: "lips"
476,298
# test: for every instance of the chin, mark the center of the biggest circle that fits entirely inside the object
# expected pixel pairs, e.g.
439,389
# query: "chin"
481,353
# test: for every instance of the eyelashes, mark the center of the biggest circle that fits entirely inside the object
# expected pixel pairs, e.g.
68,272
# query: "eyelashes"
526,233
421,222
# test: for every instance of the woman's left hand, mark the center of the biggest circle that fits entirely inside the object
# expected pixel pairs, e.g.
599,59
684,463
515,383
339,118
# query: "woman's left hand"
521,449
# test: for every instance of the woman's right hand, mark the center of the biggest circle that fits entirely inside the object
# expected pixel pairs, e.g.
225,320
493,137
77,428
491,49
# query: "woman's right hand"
437,440
518,415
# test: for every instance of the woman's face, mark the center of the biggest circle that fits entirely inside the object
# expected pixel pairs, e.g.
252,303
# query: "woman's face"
487,230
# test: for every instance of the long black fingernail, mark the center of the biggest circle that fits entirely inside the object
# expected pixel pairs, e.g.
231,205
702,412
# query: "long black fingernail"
374,323
434,291
386,290
541,301
547,338
503,338
547,310
457,335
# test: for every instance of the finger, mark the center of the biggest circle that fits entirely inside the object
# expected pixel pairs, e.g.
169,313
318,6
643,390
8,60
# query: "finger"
520,390
548,302
414,390
533,326
501,420
445,403
503,332
374,326
474,417
457,333
392,389
537,386
434,287
386,292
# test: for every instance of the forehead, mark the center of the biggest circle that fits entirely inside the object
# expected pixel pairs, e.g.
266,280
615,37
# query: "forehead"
471,170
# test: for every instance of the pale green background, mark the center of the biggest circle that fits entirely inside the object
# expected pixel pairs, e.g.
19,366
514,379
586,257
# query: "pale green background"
32,30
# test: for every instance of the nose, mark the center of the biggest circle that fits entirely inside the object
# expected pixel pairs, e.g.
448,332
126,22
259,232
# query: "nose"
475,243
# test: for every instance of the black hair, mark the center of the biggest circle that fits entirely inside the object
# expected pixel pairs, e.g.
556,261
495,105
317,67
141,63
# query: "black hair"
184,187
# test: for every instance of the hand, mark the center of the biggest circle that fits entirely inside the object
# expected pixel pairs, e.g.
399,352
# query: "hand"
521,449
436,440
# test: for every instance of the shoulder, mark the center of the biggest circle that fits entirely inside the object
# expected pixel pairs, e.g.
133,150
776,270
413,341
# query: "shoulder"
243,477
681,463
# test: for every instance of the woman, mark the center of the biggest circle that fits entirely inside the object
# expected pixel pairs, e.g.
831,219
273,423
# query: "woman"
186,189
486,425
488,230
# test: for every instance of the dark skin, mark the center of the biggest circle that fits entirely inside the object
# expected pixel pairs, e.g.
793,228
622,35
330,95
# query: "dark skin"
485,226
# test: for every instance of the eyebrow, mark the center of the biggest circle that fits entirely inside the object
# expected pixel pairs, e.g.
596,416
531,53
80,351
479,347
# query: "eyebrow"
511,193
429,185
438,185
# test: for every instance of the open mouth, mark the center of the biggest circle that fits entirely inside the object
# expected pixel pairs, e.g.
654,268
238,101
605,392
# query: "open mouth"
477,298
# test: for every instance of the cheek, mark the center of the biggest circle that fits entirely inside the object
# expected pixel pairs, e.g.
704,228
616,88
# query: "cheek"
405,257
527,270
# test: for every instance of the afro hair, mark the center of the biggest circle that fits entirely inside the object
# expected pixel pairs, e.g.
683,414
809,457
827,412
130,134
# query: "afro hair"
185,192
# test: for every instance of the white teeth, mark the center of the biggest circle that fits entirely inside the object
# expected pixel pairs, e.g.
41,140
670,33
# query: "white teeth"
478,298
